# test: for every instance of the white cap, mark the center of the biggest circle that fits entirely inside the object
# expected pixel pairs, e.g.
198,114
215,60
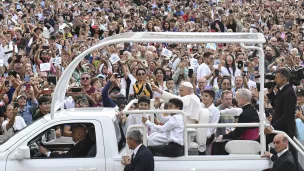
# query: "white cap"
187,84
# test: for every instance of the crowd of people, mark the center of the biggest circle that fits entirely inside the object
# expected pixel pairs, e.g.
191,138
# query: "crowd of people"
38,39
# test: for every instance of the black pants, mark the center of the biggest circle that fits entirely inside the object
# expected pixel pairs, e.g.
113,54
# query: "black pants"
171,150
269,139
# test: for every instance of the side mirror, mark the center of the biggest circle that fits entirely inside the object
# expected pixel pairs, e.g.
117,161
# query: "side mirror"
23,153
51,135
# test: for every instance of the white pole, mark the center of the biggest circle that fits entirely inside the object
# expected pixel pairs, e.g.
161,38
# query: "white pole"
261,93
299,143
158,37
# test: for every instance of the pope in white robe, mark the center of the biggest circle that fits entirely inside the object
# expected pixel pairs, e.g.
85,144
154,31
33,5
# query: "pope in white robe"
190,100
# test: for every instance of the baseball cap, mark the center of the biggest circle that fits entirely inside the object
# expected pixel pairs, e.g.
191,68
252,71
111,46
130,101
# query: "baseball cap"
22,95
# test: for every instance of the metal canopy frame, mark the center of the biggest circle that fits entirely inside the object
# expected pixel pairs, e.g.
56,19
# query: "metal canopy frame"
169,37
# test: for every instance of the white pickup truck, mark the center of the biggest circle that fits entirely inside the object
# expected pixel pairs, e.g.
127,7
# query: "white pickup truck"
20,152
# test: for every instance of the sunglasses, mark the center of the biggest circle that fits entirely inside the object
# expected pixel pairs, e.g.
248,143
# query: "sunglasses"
142,73
85,78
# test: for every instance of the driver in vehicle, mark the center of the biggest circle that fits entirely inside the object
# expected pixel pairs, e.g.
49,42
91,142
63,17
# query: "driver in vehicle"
80,149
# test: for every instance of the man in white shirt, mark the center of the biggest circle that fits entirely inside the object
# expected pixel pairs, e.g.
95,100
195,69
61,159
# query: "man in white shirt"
13,123
6,48
133,119
173,127
187,96
206,69
226,99
214,117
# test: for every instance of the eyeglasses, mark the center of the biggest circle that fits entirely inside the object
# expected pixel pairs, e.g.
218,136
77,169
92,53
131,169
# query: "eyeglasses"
226,83
85,78
142,73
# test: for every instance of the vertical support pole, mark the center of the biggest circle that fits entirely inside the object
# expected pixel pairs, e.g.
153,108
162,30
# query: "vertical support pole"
261,98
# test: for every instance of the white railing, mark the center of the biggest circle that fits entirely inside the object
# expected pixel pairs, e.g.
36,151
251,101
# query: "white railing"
136,100
192,125
163,111
298,143
261,93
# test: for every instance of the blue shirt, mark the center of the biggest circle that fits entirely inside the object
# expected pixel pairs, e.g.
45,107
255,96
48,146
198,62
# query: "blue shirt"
28,111
106,101
10,93
180,13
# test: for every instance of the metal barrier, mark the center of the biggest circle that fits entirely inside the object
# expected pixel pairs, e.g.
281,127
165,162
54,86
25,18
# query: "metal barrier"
298,143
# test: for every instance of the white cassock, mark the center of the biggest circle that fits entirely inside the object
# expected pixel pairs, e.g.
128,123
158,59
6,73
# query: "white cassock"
191,105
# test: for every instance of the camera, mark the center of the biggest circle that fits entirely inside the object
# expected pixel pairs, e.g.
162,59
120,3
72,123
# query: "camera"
268,85
297,74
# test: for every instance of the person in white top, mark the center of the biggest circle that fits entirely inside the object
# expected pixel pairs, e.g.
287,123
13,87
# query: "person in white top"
206,69
173,127
230,69
133,119
214,117
6,48
159,80
13,123
62,25
187,96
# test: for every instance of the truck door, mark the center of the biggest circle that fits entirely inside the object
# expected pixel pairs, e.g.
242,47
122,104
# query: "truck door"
72,160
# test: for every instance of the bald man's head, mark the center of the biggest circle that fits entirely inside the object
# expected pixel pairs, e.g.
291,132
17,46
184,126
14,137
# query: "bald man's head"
79,132
280,142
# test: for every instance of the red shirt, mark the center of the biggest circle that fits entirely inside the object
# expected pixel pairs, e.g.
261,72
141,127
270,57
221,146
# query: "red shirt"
91,90
185,17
